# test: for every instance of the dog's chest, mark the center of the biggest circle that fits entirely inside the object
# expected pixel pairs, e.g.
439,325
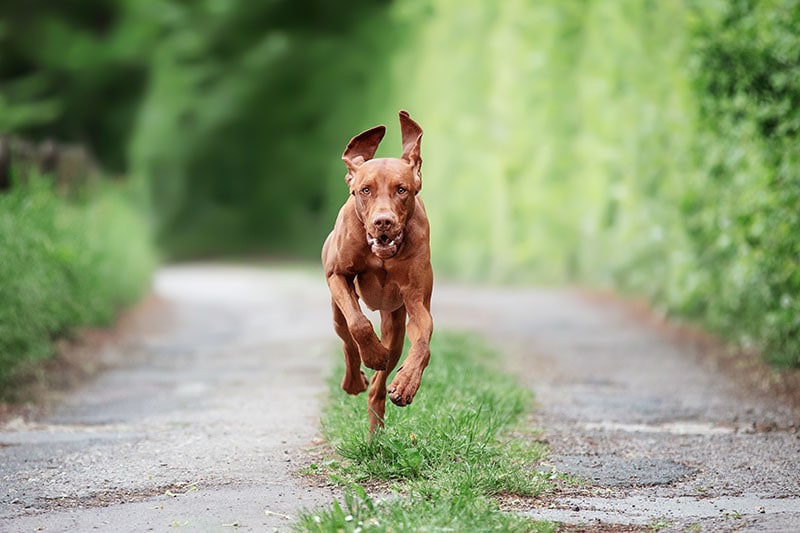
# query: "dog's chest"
378,290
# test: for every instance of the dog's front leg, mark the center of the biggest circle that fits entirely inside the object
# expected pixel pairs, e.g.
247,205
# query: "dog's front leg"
420,328
373,354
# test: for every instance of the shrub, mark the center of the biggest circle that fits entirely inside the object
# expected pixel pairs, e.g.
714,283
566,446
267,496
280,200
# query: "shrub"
66,264
743,218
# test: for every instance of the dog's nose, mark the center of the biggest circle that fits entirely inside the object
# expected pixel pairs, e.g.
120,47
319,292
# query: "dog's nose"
382,222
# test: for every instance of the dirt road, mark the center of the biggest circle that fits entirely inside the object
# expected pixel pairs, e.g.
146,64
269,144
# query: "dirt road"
665,441
202,424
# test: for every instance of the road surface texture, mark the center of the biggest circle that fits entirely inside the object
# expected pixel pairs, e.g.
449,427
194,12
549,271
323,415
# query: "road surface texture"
659,437
201,427
204,423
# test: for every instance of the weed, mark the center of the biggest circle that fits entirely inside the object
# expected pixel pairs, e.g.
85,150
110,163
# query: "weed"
657,524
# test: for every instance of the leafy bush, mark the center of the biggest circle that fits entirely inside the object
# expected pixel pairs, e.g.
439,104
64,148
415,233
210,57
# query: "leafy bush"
743,219
66,264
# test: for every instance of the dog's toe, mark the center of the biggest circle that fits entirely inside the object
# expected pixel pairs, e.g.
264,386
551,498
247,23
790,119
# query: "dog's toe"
403,389
401,400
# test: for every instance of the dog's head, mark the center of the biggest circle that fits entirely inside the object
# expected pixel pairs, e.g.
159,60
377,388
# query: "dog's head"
384,188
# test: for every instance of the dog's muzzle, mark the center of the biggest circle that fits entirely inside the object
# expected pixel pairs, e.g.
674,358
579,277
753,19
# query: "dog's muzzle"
385,246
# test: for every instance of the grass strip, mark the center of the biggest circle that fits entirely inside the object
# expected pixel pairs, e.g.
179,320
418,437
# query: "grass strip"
439,462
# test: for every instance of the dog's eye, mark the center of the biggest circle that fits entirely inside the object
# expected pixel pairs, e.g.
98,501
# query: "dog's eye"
365,190
401,190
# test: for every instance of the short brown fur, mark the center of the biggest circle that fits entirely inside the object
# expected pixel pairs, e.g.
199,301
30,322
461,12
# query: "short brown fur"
379,252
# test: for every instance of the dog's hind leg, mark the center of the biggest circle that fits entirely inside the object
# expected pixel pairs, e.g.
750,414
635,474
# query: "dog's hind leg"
355,380
393,331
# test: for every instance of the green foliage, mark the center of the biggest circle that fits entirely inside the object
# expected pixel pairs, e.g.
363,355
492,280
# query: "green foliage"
640,144
446,454
424,511
743,217
236,128
66,264
75,71
550,134
649,146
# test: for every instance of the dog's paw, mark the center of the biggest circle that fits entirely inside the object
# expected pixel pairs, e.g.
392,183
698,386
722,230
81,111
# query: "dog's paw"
403,388
373,354
356,385
376,359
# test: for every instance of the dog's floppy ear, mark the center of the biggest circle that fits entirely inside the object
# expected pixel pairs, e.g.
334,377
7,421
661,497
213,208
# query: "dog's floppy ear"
361,148
412,137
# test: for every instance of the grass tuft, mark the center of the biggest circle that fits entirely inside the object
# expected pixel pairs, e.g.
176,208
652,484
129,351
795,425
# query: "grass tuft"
444,457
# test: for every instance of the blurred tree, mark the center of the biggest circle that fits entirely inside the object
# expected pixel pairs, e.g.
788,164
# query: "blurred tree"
220,104
75,70
233,129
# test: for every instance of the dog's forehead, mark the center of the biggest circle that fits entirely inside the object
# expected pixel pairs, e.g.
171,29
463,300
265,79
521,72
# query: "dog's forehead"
385,168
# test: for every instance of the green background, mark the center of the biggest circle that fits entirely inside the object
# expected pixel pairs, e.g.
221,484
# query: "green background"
648,146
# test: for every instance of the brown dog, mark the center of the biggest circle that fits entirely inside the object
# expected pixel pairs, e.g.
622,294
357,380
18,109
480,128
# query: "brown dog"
379,251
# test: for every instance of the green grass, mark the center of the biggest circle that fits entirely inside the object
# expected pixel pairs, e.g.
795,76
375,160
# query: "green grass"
66,263
440,461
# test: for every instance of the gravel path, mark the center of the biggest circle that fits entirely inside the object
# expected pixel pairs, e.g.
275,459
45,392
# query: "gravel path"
659,438
201,426
205,424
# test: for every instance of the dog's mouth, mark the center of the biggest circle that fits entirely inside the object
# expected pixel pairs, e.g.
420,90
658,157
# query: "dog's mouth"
385,246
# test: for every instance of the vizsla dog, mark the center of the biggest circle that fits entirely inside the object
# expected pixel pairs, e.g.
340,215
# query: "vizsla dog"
379,251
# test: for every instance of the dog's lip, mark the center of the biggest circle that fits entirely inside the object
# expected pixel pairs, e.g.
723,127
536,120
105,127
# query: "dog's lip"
383,245
384,239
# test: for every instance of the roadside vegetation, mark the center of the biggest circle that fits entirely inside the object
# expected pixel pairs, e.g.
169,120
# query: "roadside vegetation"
441,462
66,263
648,147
